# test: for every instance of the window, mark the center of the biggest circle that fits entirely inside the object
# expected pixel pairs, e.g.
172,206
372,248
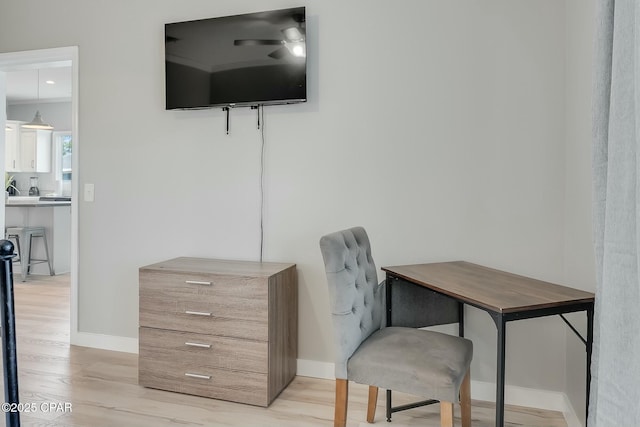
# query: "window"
63,148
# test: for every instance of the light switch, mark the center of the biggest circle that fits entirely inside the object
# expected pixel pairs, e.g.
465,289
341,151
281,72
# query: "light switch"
89,193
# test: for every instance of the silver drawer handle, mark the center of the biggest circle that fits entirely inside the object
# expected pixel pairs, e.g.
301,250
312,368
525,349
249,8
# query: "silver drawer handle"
197,313
202,377
196,344
197,282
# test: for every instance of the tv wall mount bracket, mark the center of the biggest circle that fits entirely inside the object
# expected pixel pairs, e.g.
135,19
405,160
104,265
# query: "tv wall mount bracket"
227,110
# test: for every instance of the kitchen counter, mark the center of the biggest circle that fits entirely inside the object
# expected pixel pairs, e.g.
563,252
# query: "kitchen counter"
55,217
37,204
34,201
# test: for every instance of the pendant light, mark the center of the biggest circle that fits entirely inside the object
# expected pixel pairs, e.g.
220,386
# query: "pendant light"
37,122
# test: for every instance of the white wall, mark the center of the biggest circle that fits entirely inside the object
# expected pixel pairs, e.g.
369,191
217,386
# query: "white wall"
3,116
439,126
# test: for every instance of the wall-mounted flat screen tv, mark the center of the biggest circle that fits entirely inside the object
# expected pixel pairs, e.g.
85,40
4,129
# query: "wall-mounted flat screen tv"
242,60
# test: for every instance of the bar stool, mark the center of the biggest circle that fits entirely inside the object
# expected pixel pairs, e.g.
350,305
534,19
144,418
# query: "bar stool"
26,234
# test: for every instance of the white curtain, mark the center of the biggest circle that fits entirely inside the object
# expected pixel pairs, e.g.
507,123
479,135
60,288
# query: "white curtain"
615,386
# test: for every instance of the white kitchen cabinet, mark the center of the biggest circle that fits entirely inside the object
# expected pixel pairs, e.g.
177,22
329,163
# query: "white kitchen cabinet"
35,150
12,146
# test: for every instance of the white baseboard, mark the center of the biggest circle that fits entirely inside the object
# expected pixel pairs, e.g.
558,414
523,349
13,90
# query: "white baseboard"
570,414
528,397
104,342
520,396
315,369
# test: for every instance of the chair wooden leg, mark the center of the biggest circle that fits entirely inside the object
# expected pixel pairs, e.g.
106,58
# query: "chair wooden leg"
465,400
373,401
446,414
342,396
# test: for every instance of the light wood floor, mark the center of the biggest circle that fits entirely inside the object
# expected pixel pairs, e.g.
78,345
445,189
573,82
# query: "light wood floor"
102,387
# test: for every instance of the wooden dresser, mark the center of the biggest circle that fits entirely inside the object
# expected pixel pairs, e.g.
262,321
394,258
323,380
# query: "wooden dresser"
221,329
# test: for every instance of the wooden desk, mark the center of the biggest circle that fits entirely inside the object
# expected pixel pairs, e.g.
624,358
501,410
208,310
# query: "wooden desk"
505,296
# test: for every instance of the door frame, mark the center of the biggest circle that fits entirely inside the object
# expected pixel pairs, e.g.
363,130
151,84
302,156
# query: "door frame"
42,58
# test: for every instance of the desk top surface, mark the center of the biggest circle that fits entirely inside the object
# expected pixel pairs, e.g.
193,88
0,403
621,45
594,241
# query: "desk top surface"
488,288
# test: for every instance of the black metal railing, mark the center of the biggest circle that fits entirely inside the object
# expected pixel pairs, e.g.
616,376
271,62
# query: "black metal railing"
9,353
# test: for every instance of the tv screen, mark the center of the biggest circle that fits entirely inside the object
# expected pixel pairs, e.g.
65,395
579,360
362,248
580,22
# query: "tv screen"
241,60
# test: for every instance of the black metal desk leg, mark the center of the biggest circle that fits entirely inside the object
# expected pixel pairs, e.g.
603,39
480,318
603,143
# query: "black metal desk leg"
461,319
387,284
589,350
387,288
502,332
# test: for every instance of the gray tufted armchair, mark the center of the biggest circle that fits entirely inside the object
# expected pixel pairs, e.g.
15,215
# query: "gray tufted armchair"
409,360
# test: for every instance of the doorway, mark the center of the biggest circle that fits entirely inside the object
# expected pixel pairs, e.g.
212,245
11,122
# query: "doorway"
38,59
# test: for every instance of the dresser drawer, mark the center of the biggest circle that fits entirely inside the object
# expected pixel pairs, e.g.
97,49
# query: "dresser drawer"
236,386
255,310
204,317
202,285
203,351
